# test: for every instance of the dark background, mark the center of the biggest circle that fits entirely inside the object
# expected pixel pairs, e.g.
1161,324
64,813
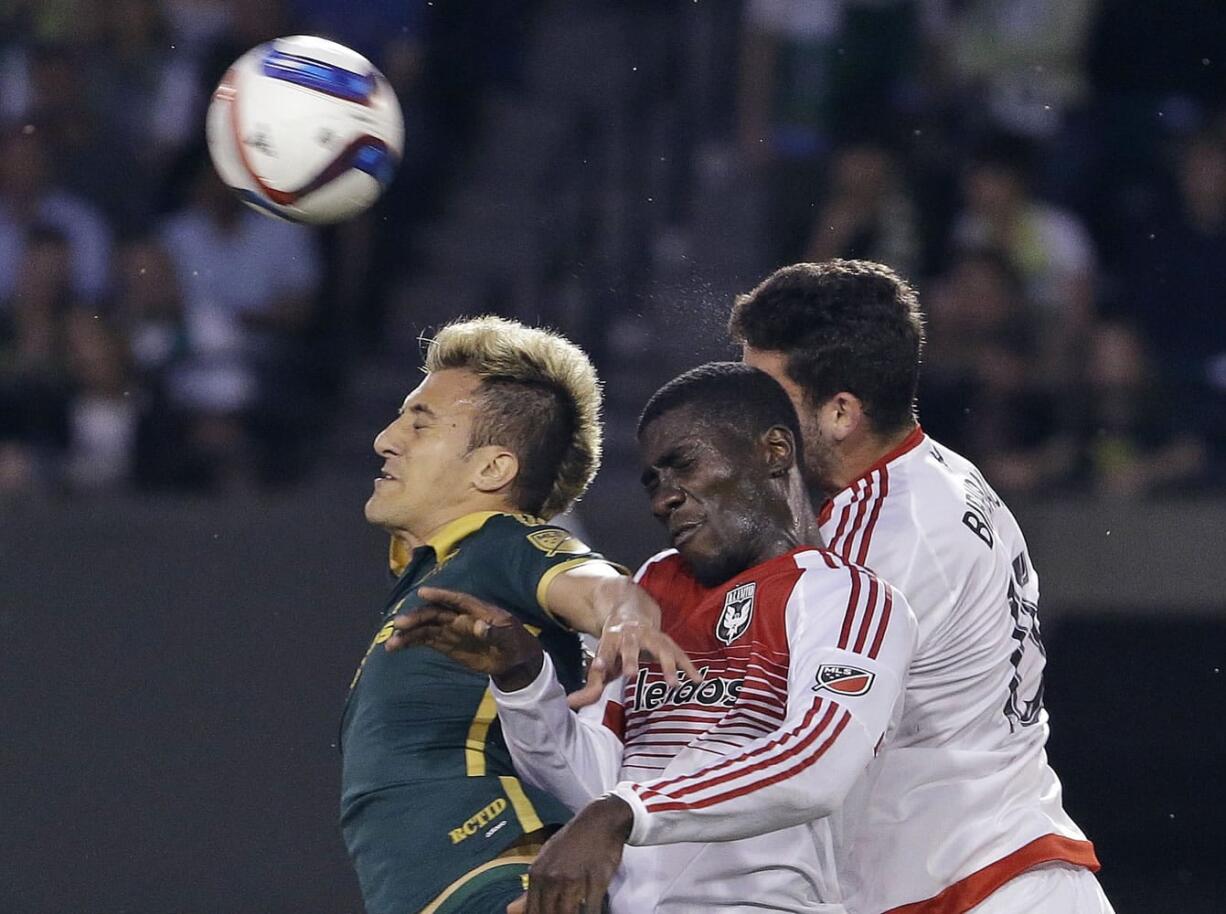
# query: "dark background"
186,581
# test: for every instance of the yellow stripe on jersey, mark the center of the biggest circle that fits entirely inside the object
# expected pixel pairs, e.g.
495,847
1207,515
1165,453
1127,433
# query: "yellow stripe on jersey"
511,858
474,746
529,821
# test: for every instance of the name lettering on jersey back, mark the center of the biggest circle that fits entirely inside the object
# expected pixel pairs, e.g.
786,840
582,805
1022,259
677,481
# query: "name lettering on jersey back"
712,691
981,503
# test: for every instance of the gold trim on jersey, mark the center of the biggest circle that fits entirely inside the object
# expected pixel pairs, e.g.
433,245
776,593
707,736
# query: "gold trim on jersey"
514,859
474,746
529,821
443,540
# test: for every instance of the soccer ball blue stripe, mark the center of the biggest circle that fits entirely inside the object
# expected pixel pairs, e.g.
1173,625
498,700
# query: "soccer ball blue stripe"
319,76
377,161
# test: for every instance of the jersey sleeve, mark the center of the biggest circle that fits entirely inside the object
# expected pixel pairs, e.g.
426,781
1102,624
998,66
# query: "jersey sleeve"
850,640
526,558
574,756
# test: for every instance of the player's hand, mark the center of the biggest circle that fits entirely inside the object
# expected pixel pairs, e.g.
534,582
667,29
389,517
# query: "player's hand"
632,630
573,870
479,635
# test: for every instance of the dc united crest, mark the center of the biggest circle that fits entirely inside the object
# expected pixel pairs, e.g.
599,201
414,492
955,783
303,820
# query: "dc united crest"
738,611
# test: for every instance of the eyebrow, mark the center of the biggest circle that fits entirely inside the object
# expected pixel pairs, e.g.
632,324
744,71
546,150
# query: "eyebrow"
668,459
419,409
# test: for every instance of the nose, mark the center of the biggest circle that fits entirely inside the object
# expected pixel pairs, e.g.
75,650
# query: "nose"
666,499
384,445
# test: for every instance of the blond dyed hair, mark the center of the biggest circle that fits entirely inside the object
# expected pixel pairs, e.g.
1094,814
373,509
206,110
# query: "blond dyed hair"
540,397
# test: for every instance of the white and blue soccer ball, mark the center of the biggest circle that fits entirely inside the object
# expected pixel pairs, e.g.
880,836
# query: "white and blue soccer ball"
305,129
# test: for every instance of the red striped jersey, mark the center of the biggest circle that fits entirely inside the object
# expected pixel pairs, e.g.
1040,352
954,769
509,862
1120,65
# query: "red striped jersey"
967,764
735,781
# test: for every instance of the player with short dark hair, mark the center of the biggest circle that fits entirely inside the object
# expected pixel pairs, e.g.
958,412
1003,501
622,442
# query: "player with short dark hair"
502,434
844,338
719,792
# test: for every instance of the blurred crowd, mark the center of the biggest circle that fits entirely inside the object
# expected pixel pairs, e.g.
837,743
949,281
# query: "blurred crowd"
1050,173
153,330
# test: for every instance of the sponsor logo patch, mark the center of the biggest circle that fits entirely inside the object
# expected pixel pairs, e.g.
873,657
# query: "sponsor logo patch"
557,542
843,680
737,614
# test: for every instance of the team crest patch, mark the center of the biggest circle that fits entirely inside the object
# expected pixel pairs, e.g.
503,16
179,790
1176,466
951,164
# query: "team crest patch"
557,542
843,680
738,611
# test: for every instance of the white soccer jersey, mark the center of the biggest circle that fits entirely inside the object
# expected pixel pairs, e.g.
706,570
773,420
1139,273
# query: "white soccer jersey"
962,799
732,781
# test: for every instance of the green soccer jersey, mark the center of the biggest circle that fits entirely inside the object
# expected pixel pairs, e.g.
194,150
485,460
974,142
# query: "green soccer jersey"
428,792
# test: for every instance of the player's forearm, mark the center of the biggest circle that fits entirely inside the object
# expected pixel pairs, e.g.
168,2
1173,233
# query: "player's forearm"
798,774
553,748
587,596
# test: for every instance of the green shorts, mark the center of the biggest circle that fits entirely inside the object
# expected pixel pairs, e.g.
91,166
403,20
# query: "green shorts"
487,890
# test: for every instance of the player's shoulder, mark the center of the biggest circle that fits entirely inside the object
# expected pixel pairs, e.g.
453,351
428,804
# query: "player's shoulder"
529,532
665,563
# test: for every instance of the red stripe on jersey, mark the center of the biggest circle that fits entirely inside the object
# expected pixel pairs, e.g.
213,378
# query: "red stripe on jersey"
862,555
968,892
885,620
844,548
870,608
802,763
615,719
843,518
853,603
718,774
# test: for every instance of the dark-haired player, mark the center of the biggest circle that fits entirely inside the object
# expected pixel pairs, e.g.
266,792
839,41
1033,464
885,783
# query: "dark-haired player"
961,812
503,431
720,793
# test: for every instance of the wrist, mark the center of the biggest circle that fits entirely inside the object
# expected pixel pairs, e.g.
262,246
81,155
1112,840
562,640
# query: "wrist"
521,674
616,815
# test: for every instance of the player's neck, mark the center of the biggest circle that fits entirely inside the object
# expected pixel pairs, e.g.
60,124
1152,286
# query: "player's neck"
428,526
859,453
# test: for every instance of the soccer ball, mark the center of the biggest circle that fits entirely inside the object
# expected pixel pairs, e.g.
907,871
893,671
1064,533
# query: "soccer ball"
305,129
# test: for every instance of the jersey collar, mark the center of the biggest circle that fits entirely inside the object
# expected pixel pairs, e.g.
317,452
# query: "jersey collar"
443,541
908,444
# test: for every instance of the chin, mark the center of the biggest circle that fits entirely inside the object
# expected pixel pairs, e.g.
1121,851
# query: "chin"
709,570
373,513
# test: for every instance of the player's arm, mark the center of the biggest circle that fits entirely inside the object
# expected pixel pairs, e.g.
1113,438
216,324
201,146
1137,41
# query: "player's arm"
575,757
599,600
800,772
850,639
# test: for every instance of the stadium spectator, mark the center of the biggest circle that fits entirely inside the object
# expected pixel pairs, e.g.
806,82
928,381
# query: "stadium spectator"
1019,65
1048,247
979,385
103,411
868,213
34,374
1130,441
249,286
148,94
30,198
811,72
1176,268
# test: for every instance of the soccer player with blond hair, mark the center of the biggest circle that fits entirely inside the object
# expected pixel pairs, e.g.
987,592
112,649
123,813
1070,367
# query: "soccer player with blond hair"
501,435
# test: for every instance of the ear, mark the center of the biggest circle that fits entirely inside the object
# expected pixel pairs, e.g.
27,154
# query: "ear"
842,416
780,448
494,469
